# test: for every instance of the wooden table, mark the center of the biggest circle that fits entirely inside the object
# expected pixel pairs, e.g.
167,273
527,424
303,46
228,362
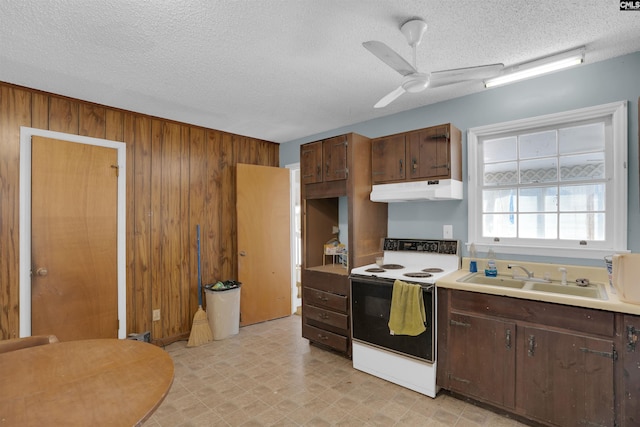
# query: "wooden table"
101,382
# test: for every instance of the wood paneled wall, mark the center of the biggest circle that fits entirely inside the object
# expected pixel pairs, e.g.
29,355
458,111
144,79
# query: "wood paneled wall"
178,176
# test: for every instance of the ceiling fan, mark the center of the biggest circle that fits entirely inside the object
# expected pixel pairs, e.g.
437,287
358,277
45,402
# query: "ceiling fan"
415,81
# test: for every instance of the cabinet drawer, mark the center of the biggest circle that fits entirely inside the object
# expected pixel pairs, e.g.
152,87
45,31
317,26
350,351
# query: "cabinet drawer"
325,299
317,335
577,319
327,316
328,282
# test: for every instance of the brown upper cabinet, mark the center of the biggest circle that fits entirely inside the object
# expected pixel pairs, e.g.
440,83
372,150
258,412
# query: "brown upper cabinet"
311,162
423,154
388,163
324,161
334,151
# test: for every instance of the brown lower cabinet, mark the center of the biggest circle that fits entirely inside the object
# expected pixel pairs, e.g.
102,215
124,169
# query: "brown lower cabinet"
325,310
556,365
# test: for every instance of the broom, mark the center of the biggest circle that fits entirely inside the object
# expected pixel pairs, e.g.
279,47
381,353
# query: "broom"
200,330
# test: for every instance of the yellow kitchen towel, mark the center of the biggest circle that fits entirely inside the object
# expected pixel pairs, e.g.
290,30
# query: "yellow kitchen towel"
407,315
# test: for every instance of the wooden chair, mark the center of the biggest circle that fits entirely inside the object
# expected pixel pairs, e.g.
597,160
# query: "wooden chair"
18,343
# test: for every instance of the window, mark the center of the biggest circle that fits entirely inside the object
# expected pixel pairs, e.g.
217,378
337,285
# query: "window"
553,185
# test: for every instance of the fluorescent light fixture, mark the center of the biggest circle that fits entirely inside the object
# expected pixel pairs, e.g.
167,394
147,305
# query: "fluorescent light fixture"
540,66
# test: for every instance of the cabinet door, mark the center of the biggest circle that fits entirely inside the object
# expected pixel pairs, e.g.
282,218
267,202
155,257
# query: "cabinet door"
388,159
429,153
335,158
482,358
629,347
565,379
311,162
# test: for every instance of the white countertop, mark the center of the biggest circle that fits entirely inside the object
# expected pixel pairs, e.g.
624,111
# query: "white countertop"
594,274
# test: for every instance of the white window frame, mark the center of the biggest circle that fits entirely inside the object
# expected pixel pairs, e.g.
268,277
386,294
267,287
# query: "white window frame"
616,177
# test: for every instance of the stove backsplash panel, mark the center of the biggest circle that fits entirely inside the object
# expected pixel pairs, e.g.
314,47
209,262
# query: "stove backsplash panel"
447,247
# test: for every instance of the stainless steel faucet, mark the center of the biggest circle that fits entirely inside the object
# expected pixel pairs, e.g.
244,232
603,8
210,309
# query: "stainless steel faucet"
527,272
529,275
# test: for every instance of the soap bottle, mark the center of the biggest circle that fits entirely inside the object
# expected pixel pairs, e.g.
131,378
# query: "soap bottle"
473,266
491,270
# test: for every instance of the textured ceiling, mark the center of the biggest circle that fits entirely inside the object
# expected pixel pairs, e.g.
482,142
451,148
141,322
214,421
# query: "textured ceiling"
282,69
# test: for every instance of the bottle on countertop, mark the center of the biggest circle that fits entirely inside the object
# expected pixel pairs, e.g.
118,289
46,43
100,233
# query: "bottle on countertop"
491,270
473,266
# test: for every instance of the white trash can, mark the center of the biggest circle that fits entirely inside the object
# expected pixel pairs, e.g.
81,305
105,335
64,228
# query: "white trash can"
223,311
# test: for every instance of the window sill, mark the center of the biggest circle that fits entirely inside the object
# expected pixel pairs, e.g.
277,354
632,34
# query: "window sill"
547,251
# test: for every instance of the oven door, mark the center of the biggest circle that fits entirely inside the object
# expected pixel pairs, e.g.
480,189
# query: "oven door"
370,309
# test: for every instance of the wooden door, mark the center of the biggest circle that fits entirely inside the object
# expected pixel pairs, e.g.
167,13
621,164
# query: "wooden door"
311,162
264,255
565,379
429,153
388,159
74,286
335,158
482,358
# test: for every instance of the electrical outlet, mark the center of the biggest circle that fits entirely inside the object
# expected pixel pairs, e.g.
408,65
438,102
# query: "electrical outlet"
156,314
447,231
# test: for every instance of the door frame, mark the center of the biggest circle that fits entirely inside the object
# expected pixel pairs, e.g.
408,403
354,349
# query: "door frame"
25,221
296,247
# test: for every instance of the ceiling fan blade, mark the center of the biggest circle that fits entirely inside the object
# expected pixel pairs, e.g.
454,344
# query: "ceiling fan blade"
458,75
389,57
390,97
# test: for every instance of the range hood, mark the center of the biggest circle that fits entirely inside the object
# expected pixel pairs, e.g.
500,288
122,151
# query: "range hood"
409,191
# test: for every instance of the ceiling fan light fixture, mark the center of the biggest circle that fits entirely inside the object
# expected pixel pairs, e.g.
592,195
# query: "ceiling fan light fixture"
538,67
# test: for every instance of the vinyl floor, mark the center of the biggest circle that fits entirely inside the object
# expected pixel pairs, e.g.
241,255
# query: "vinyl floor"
268,375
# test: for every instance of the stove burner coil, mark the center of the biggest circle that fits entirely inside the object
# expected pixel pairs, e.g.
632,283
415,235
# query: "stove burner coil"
418,274
433,270
375,270
392,266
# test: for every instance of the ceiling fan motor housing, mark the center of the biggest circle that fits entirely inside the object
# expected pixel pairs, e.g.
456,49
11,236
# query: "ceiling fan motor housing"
416,82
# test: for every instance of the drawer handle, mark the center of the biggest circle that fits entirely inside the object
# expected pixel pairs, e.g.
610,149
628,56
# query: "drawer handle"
323,337
323,316
457,323
445,165
322,298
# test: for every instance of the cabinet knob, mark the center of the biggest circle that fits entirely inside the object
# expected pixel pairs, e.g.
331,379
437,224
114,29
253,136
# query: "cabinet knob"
42,272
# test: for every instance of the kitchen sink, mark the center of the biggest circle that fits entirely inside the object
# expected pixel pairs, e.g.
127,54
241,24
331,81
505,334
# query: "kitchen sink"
593,290
502,281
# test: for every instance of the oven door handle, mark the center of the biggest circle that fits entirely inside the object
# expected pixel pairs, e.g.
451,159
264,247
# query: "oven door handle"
381,281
